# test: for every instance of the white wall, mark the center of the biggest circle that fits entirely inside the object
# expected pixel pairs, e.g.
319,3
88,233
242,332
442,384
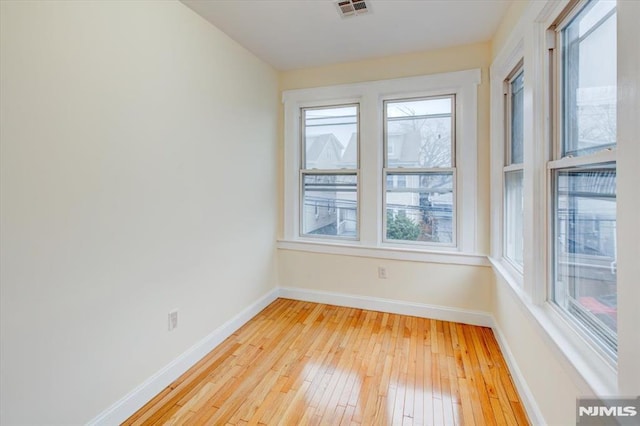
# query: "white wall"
138,149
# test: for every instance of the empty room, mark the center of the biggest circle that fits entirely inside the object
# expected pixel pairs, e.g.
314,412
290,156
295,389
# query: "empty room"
292,212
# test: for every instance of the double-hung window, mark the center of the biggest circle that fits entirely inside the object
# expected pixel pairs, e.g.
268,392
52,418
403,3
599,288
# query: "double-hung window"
384,168
329,172
419,139
513,170
582,172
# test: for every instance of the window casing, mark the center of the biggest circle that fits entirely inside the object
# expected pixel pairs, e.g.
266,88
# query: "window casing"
582,173
536,40
373,179
513,170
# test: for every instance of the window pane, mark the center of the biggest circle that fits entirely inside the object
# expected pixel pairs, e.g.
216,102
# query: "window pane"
330,205
585,249
517,114
589,78
422,210
513,216
331,137
419,133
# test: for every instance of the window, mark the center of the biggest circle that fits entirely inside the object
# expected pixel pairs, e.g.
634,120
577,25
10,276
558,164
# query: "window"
384,168
329,173
583,173
423,167
513,171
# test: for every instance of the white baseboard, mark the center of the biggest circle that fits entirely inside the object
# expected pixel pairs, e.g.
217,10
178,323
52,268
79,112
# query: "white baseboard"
422,310
442,313
531,407
134,400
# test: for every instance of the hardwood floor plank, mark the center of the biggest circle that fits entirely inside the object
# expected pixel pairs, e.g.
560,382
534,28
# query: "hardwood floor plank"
480,385
306,363
468,416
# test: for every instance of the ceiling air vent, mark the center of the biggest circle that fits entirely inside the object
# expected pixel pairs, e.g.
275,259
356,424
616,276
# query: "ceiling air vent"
348,8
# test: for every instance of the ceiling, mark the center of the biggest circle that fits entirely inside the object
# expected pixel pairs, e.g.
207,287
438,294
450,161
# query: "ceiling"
291,34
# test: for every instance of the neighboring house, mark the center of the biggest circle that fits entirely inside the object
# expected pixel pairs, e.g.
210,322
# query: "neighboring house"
403,149
323,151
349,158
327,212
405,196
331,212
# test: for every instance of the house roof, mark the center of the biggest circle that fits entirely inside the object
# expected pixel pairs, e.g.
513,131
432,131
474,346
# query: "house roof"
317,144
350,155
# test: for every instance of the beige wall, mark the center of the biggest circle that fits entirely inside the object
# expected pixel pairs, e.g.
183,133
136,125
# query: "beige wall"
132,184
123,135
509,21
456,286
408,65
438,284
553,389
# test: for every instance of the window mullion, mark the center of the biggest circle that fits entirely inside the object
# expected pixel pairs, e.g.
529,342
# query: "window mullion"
370,158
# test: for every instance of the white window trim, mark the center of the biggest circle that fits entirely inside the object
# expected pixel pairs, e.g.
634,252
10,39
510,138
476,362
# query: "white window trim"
503,67
370,96
590,371
557,162
400,171
508,166
354,171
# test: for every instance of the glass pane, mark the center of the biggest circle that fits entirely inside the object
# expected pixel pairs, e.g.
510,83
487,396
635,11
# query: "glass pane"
513,216
330,205
585,250
419,207
331,137
589,75
419,133
517,114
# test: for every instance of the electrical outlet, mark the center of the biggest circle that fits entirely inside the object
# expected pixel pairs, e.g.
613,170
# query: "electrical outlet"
173,319
382,272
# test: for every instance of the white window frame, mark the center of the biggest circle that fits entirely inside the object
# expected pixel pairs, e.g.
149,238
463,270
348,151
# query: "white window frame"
559,162
406,172
370,96
504,68
329,172
509,166
590,371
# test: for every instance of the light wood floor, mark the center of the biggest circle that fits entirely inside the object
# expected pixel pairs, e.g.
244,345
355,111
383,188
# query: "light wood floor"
299,363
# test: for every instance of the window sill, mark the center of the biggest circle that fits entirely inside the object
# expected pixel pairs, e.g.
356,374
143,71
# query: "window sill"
385,252
591,372
511,275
